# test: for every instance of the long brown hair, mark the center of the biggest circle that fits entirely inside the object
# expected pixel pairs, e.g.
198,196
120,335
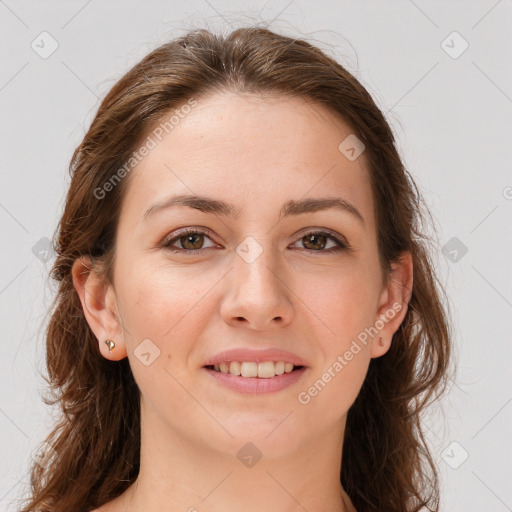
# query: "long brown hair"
92,455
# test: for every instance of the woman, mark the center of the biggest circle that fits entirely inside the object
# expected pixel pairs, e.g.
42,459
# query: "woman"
248,317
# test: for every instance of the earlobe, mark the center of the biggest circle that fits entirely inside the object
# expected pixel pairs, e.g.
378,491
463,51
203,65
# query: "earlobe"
393,306
97,298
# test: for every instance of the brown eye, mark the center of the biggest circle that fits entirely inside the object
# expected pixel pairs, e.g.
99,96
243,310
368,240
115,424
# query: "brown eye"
317,241
188,241
314,241
191,242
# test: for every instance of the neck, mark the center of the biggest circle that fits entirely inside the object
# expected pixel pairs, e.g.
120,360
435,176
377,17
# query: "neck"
178,473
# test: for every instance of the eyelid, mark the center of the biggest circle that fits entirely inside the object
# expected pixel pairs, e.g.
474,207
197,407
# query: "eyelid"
342,242
337,236
185,231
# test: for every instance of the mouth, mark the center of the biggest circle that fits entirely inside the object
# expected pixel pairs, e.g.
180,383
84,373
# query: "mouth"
251,378
254,370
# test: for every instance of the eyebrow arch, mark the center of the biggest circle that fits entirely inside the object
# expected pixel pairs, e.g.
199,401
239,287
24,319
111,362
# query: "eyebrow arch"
291,207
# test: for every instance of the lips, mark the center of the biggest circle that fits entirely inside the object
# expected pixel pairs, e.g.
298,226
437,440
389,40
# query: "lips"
256,385
256,356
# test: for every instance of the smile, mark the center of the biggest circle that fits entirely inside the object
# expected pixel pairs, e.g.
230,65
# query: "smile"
263,370
248,379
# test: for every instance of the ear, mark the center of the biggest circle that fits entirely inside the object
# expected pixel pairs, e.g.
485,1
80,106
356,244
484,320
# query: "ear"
393,304
100,307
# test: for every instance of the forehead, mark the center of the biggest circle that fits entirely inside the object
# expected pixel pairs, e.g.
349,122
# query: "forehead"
251,149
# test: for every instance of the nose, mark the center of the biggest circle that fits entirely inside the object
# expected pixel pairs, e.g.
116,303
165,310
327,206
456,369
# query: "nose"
257,294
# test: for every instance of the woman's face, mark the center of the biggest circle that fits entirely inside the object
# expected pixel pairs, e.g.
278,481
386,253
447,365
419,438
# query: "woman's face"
255,280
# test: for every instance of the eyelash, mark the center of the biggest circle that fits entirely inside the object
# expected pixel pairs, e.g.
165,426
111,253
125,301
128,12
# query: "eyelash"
341,243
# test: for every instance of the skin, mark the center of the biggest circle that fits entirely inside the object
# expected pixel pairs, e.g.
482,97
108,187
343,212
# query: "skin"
256,153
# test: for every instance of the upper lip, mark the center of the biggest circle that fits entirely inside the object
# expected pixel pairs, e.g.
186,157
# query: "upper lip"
256,355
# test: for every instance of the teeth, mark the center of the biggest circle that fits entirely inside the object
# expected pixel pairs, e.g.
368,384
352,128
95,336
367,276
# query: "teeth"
235,368
264,370
280,368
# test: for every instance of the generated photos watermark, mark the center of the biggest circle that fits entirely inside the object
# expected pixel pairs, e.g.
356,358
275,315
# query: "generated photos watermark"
344,359
149,144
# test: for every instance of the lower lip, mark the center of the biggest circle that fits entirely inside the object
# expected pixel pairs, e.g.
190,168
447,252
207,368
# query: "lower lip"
256,385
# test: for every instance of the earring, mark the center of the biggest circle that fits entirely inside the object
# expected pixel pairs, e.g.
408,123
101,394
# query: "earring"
381,342
110,344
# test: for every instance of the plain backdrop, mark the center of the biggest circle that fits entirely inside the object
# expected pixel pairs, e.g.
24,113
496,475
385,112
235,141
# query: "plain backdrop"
442,73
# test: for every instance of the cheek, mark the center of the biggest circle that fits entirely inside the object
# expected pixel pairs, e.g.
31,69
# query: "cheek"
329,393
345,305
164,316
344,301
165,311
161,302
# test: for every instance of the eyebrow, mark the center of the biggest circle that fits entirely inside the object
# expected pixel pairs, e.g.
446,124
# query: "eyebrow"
218,207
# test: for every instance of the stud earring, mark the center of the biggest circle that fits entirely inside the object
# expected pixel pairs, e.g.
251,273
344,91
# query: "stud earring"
381,342
110,344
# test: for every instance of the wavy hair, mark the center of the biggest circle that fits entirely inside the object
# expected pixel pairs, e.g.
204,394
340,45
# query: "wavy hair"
92,455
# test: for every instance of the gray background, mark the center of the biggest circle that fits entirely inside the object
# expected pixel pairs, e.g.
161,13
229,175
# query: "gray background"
451,113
